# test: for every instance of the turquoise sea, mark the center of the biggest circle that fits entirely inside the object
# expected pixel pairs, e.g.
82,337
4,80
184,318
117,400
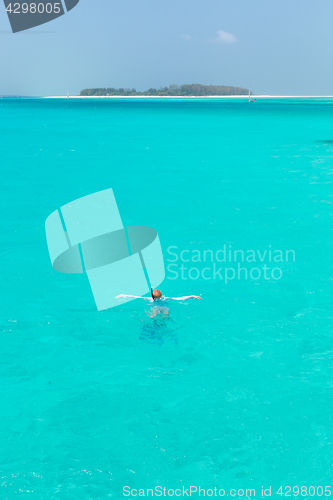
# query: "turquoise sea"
234,391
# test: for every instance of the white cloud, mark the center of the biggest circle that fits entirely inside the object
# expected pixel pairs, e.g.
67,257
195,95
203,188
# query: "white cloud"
186,37
224,37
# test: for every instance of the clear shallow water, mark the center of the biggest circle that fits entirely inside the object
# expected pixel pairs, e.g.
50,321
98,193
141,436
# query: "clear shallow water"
234,391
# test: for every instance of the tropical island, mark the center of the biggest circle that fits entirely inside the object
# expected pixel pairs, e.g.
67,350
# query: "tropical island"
194,89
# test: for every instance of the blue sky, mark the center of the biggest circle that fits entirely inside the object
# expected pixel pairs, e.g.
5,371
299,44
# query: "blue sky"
280,47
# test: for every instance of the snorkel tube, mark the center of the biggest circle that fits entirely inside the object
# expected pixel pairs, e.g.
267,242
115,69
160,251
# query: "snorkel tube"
151,291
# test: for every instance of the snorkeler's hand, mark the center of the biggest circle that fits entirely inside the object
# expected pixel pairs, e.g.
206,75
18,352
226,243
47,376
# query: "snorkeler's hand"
197,297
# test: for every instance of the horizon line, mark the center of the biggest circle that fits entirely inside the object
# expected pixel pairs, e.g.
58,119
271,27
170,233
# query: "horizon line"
242,96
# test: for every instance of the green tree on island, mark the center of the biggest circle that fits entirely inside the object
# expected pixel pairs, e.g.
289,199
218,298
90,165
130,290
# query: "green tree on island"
187,90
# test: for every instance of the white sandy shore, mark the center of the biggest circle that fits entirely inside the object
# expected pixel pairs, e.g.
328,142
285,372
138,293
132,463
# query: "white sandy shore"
193,97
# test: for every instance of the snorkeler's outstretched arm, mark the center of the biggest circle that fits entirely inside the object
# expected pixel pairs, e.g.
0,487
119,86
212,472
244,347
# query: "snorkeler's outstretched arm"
186,297
133,297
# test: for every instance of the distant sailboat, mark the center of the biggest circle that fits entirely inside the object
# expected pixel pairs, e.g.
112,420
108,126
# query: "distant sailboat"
251,100
67,95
